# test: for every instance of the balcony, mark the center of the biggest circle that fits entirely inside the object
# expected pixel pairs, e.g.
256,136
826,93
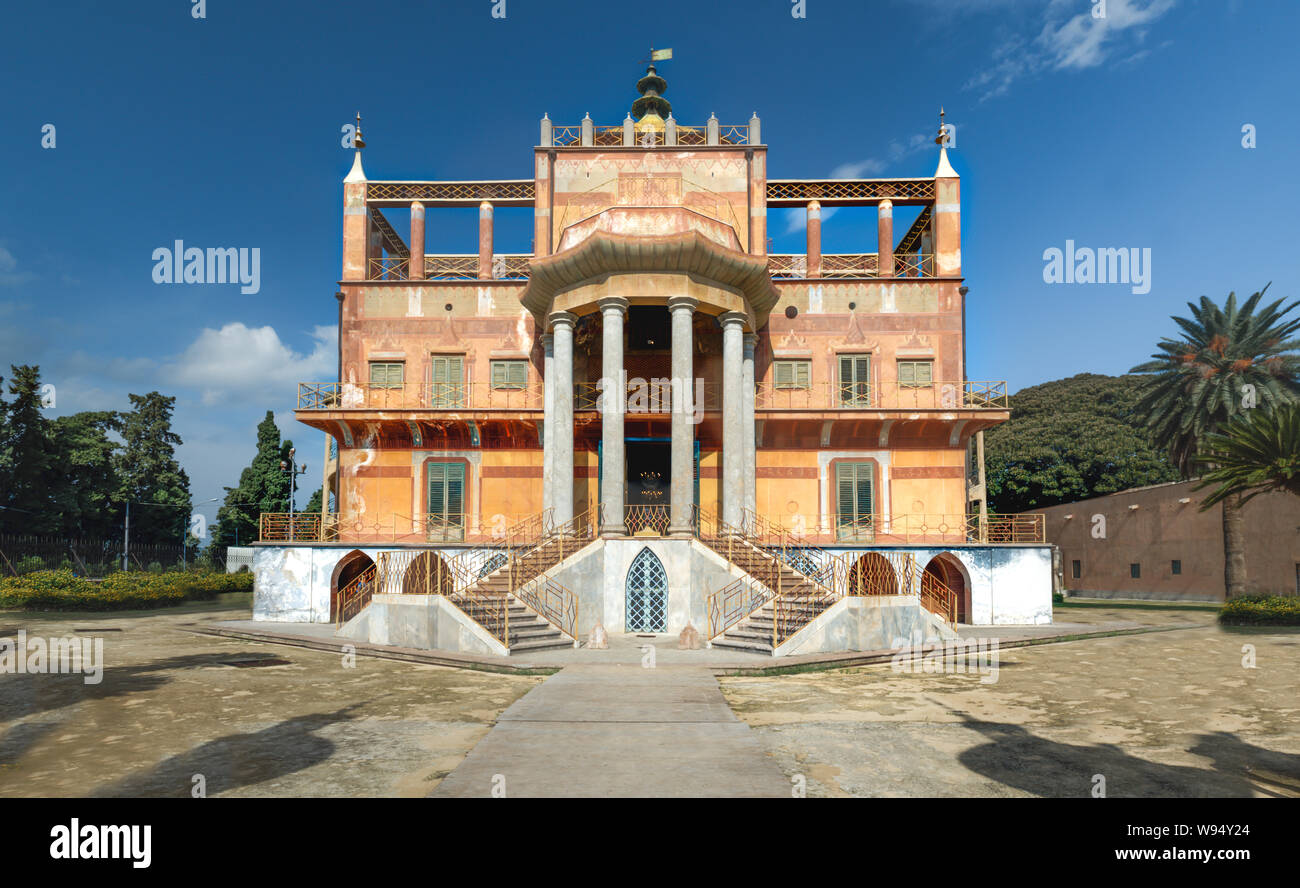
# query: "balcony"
955,395
652,520
654,396
849,266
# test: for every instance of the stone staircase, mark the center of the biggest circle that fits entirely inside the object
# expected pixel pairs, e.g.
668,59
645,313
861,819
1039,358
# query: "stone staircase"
487,600
528,631
801,598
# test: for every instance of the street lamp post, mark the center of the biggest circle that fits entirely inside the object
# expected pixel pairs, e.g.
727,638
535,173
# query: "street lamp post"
294,472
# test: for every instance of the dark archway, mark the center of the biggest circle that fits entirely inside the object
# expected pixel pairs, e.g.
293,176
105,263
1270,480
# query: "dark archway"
427,575
348,568
946,571
872,574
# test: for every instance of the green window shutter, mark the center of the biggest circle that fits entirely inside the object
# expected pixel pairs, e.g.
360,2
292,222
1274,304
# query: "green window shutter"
448,381
864,491
455,511
844,477
437,504
906,373
925,373
792,374
384,374
447,493
509,374
855,380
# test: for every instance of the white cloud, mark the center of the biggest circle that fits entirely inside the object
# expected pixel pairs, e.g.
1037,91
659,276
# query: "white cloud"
10,276
1070,42
239,360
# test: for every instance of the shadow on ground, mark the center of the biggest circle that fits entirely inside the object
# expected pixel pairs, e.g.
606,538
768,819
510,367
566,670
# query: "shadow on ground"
1017,758
237,760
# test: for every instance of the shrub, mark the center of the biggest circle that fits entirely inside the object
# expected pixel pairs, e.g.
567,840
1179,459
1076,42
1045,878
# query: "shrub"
61,590
1261,610
30,564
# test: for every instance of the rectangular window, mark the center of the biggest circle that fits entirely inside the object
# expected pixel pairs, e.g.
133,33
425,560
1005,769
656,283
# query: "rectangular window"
855,380
915,374
792,374
510,375
1176,567
1076,569
445,509
387,374
854,499
1135,571
448,381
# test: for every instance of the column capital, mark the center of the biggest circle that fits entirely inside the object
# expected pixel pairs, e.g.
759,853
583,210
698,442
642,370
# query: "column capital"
689,303
747,341
562,318
548,340
733,317
609,303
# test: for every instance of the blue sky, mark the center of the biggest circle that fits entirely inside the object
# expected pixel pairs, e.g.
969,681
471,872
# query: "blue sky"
1124,131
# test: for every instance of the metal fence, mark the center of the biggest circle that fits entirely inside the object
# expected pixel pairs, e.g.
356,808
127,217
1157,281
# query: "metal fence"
21,554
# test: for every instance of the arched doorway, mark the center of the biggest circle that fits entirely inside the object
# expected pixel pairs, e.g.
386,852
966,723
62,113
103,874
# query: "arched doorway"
872,574
943,574
427,575
348,568
647,594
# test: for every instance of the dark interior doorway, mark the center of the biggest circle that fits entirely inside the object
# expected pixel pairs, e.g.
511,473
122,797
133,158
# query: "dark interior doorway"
649,328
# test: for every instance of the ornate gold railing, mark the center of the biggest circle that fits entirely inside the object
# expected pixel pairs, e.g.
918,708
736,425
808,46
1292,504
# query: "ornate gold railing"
834,265
733,603
419,396
612,136
353,598
913,265
649,395
553,602
450,267
937,395
841,192
647,519
290,527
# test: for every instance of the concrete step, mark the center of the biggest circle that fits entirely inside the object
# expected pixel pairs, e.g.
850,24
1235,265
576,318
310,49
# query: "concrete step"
541,644
742,645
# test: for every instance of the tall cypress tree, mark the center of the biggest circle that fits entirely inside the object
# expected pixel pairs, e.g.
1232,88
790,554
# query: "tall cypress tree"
149,476
28,466
263,487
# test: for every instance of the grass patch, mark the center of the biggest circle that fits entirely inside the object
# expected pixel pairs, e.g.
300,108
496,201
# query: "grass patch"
1207,606
61,590
1261,610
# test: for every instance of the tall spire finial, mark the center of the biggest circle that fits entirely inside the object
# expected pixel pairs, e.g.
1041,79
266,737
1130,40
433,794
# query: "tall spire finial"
943,132
357,141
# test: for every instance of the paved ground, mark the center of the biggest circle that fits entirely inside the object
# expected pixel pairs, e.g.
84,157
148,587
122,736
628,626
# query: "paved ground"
615,731
1169,713
171,705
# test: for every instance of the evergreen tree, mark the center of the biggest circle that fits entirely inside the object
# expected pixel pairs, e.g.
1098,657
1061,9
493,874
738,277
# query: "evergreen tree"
263,487
84,495
28,465
149,475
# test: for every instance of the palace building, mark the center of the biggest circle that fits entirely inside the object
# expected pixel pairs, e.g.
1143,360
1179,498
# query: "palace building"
649,420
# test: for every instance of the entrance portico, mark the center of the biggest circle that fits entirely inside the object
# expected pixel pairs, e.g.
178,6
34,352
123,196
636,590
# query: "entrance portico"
694,268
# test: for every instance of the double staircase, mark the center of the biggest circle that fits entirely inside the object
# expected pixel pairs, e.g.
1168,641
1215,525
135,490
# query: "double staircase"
502,588
780,601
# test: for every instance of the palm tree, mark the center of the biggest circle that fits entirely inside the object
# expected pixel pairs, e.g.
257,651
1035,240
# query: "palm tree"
1258,452
1228,360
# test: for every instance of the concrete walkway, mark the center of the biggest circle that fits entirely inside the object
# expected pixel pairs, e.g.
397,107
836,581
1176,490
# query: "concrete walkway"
619,730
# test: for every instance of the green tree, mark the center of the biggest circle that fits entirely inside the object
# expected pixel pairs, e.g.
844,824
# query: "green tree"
28,465
263,487
1257,452
1227,360
316,503
84,494
148,474
1068,440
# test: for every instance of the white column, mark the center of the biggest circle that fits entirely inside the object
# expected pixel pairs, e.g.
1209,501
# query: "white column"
732,486
562,408
747,409
548,422
682,461
613,403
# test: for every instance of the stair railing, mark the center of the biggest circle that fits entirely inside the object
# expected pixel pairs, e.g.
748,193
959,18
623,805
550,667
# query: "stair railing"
353,598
